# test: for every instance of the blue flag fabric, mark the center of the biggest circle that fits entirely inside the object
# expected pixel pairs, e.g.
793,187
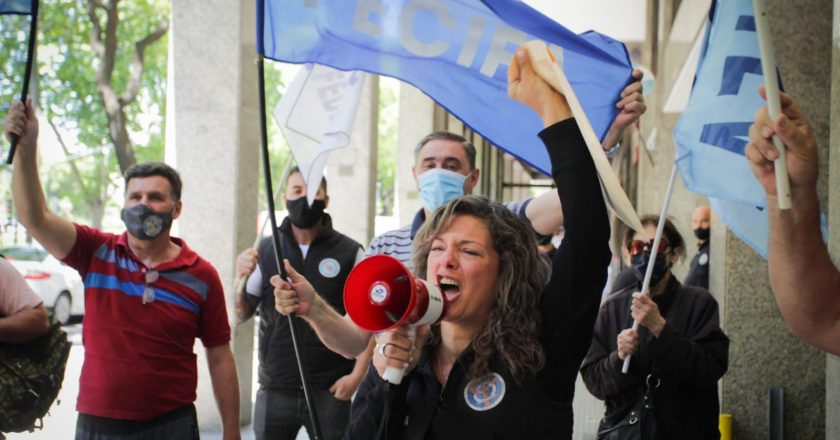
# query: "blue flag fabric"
712,132
19,7
456,52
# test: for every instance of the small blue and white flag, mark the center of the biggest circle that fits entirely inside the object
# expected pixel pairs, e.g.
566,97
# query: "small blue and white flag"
455,51
713,131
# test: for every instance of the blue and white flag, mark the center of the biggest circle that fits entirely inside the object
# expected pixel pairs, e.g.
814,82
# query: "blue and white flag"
713,131
19,7
456,51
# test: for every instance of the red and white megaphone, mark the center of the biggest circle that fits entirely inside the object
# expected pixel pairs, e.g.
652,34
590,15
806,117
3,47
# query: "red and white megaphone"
380,294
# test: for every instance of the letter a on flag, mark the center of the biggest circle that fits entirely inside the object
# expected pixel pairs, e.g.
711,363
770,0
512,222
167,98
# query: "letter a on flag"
316,116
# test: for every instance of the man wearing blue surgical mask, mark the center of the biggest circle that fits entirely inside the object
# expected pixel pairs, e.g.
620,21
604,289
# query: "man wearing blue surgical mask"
444,168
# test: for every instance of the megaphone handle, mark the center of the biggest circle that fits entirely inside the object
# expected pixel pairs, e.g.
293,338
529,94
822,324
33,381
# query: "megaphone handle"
395,375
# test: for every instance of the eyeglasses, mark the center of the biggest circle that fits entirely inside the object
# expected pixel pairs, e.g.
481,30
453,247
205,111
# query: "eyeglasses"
148,291
636,247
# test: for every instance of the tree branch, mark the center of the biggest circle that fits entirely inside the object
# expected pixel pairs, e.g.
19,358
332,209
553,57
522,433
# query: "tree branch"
137,66
96,34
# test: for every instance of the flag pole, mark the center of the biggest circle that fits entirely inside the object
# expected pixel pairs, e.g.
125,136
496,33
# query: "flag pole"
239,285
30,60
654,251
774,107
304,373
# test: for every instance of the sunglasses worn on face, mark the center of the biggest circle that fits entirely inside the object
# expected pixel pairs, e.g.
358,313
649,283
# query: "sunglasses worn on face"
148,291
636,247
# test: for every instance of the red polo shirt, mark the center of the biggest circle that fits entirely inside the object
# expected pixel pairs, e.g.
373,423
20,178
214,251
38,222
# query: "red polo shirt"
139,360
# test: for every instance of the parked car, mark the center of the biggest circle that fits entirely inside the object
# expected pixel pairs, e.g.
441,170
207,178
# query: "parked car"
59,285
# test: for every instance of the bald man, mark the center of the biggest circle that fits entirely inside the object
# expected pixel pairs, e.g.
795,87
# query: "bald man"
698,273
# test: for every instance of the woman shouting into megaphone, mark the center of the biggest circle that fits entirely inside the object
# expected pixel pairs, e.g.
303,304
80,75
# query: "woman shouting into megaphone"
502,362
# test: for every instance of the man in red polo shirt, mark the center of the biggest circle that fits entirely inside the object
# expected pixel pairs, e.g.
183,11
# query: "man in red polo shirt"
147,297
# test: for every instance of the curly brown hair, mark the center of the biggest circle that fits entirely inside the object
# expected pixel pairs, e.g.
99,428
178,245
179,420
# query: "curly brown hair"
513,329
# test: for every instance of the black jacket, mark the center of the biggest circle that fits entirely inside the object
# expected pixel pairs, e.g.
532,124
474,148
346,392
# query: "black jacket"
690,356
698,272
329,260
536,408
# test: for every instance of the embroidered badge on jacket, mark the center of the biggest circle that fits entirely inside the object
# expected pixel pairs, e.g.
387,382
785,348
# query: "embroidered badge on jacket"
485,392
329,267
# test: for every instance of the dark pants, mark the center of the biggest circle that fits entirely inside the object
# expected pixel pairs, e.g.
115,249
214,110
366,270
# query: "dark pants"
180,424
279,414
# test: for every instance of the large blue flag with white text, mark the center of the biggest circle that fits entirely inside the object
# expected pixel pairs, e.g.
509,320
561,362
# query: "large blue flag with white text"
712,132
456,51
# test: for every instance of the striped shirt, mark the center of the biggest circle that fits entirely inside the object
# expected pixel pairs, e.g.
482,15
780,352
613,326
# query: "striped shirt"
397,243
139,361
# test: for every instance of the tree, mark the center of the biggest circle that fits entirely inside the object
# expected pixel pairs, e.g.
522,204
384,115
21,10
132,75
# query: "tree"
101,86
104,42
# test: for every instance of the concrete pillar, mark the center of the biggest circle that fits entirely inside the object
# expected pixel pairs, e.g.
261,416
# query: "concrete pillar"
351,171
213,138
832,370
416,121
763,353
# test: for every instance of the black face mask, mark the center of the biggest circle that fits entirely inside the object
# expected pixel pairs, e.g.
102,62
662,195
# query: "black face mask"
304,216
144,223
702,233
660,267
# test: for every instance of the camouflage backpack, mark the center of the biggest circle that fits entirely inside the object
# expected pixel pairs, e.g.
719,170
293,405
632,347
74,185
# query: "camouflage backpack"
31,374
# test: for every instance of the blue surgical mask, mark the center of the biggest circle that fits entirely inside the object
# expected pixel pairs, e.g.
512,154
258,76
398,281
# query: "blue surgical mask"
438,186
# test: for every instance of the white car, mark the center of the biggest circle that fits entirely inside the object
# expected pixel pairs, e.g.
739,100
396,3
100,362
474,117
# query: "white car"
59,285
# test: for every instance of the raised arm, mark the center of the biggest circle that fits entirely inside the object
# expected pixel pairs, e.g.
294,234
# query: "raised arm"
804,280
570,300
56,234
337,332
631,107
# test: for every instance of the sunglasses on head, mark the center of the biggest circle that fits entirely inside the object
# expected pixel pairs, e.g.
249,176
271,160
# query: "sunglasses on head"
636,247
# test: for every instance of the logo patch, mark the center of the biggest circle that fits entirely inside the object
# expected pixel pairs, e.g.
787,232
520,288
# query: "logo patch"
485,392
152,225
329,267
704,259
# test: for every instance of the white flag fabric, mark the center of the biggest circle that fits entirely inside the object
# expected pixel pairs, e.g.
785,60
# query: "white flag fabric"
316,116
614,196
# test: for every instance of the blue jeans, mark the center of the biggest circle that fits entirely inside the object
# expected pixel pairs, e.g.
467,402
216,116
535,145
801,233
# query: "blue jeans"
279,414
